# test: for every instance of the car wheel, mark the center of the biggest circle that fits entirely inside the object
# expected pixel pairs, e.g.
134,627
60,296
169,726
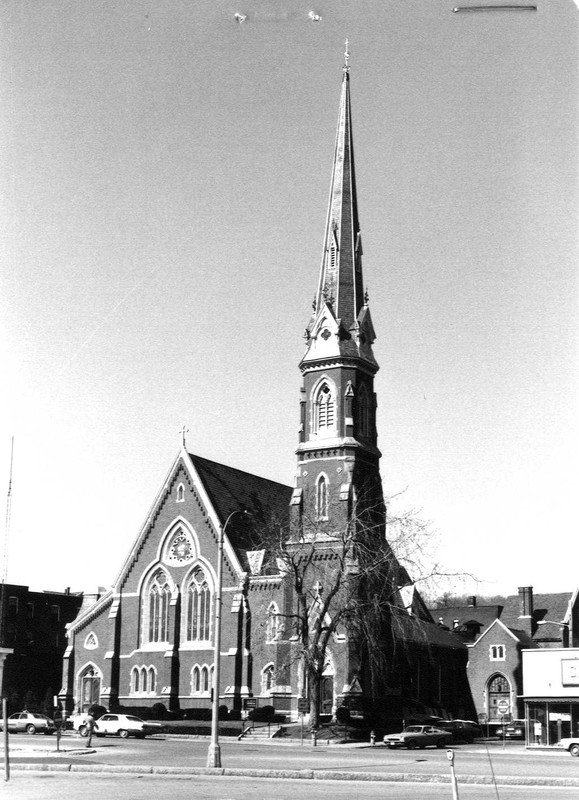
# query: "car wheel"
31,729
390,746
123,734
574,750
48,733
411,744
83,731
441,743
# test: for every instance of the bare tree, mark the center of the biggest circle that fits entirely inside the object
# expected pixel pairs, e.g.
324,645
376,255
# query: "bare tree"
352,582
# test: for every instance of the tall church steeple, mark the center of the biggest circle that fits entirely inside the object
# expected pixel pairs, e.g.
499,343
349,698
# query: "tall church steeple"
338,453
341,287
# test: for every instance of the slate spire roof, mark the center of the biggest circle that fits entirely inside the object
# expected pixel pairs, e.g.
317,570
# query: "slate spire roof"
340,293
340,281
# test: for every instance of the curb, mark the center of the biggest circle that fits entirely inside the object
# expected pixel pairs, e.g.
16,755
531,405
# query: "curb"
306,774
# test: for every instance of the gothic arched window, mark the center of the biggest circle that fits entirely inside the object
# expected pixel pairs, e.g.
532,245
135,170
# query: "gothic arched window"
205,680
324,409
322,497
498,688
267,679
159,599
195,680
273,625
198,608
363,411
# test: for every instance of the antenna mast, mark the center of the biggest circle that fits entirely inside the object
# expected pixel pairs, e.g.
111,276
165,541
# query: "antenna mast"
5,554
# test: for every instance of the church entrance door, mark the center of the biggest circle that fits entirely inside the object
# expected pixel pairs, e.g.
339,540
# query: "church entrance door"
90,689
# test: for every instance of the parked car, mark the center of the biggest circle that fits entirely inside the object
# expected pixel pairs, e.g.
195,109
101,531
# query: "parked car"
515,729
29,722
571,744
419,736
461,730
124,725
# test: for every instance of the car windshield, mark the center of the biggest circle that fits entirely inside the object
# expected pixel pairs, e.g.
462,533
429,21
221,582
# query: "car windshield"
413,729
133,719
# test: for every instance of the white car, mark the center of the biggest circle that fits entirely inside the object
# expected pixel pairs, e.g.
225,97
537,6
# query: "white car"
572,745
124,725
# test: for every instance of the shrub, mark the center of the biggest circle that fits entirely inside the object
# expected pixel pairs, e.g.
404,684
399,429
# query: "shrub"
197,713
223,712
262,714
158,711
342,714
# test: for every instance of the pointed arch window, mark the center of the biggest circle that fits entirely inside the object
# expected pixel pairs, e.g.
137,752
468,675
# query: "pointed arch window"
201,679
159,600
322,497
324,409
498,688
363,411
273,625
267,679
195,680
198,608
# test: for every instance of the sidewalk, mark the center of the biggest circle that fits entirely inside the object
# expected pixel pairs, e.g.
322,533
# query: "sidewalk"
78,750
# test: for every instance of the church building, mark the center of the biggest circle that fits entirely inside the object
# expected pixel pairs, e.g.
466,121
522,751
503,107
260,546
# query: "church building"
296,561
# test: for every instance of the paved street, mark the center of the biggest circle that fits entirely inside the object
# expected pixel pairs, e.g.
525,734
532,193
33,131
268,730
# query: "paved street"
477,759
50,786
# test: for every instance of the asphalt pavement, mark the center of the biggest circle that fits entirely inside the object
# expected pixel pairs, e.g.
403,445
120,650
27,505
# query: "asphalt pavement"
483,763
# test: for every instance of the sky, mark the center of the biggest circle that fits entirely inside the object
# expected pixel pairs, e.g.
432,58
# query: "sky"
165,174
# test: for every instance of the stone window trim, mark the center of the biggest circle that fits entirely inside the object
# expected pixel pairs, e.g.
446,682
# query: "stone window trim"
198,607
322,496
143,681
91,642
324,408
274,624
268,679
497,652
201,680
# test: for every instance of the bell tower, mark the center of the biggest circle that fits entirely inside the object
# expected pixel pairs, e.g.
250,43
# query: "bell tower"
338,456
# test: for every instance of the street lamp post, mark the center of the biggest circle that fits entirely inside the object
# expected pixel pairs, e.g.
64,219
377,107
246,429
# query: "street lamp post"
214,752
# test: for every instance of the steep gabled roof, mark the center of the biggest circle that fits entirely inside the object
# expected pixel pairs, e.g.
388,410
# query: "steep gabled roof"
230,489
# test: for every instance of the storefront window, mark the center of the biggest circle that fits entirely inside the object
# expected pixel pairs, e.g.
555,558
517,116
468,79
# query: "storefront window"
537,715
551,722
559,722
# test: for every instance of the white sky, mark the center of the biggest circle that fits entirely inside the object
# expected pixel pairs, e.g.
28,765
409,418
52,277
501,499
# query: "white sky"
165,175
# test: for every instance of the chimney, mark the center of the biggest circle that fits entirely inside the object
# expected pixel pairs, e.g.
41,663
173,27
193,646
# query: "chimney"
526,608
526,601
472,601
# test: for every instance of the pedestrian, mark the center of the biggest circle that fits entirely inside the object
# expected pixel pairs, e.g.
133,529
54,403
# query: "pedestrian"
89,728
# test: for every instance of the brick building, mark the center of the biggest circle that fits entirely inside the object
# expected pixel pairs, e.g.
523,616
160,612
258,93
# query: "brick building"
34,628
497,634
150,638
